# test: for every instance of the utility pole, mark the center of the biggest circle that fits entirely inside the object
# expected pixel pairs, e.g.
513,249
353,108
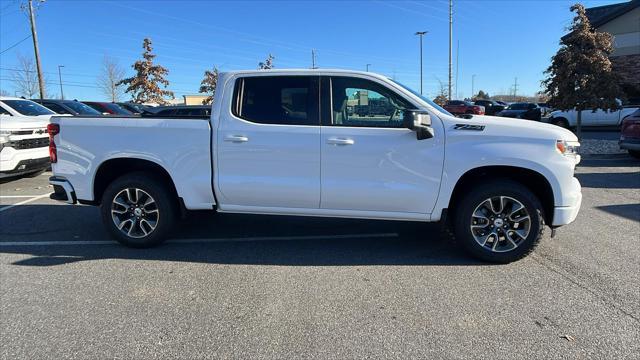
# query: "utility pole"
313,59
60,77
473,80
368,67
515,89
34,36
421,35
457,67
450,43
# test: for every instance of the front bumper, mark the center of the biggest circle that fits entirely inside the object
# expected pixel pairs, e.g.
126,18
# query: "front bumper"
62,190
16,161
563,215
630,144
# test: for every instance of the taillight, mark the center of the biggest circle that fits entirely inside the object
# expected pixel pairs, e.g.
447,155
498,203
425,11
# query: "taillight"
53,130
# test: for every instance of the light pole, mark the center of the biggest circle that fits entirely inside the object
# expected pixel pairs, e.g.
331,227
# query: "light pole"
473,79
368,67
421,34
60,77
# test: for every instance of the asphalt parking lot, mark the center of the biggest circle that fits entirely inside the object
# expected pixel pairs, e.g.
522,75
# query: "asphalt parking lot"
238,286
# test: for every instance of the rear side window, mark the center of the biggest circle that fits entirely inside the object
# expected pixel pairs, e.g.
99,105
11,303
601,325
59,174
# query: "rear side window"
57,108
284,100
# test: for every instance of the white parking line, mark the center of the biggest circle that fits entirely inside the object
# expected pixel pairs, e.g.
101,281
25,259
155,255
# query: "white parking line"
18,196
196,241
24,202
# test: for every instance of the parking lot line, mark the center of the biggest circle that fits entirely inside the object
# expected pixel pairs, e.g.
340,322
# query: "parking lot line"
24,202
196,241
18,196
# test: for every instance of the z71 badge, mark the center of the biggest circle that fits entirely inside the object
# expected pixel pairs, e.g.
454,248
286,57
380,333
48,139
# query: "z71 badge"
469,127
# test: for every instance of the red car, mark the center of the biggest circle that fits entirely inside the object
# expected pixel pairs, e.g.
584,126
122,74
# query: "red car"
630,134
459,107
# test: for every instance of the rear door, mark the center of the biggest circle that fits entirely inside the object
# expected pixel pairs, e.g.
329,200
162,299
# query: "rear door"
374,163
269,143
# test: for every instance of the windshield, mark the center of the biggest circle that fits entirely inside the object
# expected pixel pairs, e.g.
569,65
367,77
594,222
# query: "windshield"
518,106
117,109
28,108
436,106
81,108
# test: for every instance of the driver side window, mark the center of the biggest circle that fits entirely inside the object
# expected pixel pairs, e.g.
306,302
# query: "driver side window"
363,103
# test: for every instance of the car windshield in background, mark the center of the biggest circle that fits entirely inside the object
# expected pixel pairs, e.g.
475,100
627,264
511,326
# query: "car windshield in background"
117,109
28,108
436,106
81,108
518,106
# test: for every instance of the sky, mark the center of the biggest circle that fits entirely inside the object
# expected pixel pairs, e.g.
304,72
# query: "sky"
497,41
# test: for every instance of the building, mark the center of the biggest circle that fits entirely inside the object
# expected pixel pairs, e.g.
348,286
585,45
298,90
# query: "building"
194,99
623,22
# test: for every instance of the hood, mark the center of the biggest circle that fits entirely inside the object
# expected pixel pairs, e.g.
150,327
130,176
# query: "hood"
503,127
23,122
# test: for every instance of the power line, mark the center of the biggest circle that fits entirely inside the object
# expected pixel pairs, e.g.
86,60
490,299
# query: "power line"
14,45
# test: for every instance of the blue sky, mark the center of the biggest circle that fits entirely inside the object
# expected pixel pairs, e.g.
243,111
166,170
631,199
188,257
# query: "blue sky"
498,40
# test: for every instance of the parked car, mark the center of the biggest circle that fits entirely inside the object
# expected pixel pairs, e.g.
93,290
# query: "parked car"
529,111
545,109
502,103
459,107
23,137
136,109
267,149
199,111
630,134
568,119
69,107
490,107
107,108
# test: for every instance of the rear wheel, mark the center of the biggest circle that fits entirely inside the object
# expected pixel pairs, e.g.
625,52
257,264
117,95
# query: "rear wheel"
138,210
501,221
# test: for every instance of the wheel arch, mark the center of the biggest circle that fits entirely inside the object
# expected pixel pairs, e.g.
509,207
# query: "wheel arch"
114,168
533,180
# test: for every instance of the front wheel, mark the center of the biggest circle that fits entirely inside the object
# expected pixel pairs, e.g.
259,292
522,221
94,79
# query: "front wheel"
138,210
500,222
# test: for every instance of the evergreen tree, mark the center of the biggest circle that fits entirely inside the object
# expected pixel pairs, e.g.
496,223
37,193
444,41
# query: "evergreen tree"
580,75
145,85
208,85
267,64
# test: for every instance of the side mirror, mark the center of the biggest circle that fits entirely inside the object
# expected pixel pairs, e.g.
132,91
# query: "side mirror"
420,122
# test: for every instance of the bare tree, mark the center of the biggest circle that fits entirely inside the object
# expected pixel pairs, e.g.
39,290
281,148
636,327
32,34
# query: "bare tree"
111,74
267,64
4,92
442,97
25,77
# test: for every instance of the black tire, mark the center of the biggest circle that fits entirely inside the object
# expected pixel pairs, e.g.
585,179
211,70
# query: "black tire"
634,153
165,204
497,188
562,122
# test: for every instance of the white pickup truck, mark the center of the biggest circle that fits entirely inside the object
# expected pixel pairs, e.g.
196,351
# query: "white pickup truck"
569,119
288,142
24,143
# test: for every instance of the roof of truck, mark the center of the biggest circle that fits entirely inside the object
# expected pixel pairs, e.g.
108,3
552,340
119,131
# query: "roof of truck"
304,71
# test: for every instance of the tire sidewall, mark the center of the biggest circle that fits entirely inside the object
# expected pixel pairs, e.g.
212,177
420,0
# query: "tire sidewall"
163,201
499,188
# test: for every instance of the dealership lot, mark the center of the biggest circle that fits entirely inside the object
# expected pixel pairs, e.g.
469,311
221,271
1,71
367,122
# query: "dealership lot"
273,287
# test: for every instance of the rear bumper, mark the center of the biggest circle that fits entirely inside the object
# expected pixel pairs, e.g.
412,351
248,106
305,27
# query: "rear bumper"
62,190
563,215
630,144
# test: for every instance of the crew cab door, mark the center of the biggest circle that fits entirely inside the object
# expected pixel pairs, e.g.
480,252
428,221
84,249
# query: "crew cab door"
268,144
373,163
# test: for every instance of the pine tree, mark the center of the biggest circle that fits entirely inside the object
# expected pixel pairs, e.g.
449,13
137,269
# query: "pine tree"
144,86
208,85
267,64
580,75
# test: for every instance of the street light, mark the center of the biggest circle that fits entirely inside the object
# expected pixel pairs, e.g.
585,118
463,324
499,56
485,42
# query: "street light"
473,79
368,67
60,77
421,34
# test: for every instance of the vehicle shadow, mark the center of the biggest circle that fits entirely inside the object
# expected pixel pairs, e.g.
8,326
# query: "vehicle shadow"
627,180
628,211
232,239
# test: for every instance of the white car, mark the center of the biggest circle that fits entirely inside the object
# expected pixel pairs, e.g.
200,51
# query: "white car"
283,142
24,142
569,119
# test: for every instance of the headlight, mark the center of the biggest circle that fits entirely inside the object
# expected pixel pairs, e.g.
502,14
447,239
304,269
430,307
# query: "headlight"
568,148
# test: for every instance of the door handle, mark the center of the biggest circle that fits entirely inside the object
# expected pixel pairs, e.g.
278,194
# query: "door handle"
236,138
340,141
